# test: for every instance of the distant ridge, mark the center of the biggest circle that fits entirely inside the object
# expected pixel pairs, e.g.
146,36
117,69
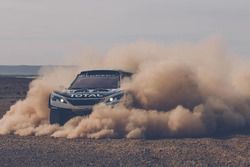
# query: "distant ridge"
25,70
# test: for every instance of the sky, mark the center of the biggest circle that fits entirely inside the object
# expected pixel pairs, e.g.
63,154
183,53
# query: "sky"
42,32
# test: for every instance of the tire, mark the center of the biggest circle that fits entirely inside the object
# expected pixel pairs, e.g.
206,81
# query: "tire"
59,117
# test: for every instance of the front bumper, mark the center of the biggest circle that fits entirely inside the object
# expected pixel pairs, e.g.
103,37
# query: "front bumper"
62,109
75,111
61,116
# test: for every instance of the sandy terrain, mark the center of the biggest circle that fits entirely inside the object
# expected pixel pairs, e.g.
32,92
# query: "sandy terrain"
226,150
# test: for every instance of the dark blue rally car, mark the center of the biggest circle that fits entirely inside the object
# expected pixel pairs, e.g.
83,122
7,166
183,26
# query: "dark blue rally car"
88,88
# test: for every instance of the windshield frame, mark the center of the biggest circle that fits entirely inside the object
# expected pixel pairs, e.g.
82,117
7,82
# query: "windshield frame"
98,76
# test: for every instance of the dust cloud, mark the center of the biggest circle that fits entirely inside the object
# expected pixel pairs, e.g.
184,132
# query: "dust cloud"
181,90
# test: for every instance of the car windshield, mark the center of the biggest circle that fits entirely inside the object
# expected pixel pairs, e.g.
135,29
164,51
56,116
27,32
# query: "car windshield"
96,81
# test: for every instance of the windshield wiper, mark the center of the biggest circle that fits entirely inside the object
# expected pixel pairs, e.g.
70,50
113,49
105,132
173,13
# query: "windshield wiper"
77,88
102,89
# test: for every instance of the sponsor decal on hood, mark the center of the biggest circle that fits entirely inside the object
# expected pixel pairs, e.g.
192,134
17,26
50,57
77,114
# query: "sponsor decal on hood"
88,93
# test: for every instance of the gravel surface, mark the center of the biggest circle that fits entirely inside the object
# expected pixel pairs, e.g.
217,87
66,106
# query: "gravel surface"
231,150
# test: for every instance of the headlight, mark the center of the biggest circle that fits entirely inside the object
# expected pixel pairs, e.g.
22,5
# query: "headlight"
57,98
111,99
114,99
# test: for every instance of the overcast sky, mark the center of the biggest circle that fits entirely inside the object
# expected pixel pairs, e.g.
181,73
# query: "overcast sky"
43,31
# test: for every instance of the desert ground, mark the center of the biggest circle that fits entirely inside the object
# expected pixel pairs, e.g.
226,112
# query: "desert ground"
223,150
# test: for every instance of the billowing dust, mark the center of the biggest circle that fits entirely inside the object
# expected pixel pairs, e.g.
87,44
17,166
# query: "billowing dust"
184,90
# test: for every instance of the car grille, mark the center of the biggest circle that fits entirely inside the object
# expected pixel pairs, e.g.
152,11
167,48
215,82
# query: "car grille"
84,102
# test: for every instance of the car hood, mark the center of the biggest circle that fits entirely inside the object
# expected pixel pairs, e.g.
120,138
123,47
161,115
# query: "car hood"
88,93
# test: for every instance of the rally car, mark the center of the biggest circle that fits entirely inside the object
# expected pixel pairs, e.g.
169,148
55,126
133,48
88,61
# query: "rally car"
88,89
